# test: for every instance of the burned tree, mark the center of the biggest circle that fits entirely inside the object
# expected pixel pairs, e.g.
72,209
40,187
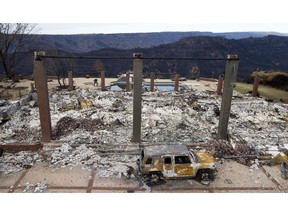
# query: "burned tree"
98,66
194,73
60,67
13,38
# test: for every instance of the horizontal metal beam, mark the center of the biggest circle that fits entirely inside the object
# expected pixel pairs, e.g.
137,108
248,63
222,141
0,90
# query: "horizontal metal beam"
147,58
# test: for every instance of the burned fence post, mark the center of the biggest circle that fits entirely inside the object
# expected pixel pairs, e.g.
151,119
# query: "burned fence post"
137,95
176,85
40,79
229,84
219,85
152,77
127,81
102,80
255,86
70,81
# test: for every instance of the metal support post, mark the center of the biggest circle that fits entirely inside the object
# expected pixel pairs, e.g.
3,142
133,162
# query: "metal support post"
255,86
127,81
220,85
40,79
229,84
102,80
176,85
137,95
152,76
70,80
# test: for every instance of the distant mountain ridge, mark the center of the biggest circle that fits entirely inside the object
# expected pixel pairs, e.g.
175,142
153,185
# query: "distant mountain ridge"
265,53
268,53
89,42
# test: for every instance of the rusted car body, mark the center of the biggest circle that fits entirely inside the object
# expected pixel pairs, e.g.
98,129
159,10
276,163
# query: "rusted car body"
175,161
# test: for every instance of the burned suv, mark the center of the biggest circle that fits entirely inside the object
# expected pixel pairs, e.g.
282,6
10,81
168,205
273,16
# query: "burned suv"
161,162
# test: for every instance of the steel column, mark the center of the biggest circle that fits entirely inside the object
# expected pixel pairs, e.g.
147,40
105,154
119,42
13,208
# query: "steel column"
40,79
137,95
176,85
229,84
255,86
152,78
127,81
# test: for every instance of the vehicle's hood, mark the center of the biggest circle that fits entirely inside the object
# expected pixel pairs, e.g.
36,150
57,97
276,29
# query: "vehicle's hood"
205,157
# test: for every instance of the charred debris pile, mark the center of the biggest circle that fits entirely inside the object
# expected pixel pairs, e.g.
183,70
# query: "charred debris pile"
94,128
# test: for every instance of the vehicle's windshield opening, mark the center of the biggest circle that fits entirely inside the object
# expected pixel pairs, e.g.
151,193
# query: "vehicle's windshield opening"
167,160
194,156
149,161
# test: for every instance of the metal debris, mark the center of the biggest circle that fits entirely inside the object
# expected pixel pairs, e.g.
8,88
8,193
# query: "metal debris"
256,127
242,153
15,162
284,170
67,125
146,187
228,181
279,159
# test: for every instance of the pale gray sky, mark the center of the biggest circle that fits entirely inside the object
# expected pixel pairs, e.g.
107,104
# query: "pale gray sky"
121,16
88,28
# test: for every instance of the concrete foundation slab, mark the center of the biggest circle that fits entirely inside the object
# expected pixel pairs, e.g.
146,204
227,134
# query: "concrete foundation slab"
275,173
68,176
245,191
233,174
114,191
9,180
65,191
115,182
180,191
4,190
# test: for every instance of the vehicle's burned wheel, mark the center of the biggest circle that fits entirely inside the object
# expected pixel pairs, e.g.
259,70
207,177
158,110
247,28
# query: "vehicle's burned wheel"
212,175
205,176
154,179
205,179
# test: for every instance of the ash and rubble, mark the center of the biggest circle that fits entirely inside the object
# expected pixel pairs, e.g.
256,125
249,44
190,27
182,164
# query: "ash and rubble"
39,187
95,127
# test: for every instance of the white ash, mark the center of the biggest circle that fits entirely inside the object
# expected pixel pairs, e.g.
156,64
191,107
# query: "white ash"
37,188
170,117
15,162
105,166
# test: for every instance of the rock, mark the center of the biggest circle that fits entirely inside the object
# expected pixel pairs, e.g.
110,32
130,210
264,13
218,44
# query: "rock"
33,103
228,181
284,170
84,103
3,103
4,116
25,100
13,108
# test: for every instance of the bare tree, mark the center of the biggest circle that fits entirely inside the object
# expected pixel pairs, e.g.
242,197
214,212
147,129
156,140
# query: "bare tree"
60,67
12,41
194,73
98,65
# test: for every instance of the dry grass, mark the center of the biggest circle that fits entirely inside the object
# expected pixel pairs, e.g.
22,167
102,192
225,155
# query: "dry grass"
264,91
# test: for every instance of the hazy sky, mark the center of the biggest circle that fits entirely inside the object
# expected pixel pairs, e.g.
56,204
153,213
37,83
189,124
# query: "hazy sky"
81,28
120,16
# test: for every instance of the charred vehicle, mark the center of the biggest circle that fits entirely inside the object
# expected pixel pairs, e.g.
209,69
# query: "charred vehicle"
158,163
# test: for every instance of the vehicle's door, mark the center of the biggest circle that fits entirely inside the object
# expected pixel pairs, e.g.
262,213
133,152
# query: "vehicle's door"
167,166
183,166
